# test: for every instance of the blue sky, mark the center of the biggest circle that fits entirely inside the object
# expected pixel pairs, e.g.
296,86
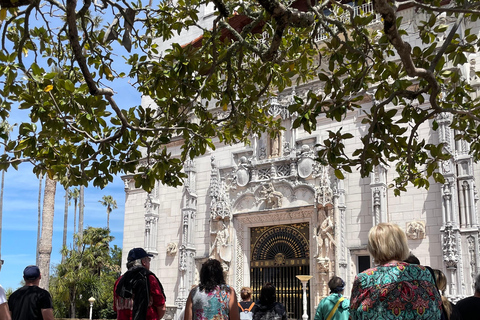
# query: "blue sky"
20,214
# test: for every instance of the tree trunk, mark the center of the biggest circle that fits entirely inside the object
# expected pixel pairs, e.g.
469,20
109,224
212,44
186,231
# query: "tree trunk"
1,210
80,214
45,246
108,219
73,297
74,218
65,223
39,221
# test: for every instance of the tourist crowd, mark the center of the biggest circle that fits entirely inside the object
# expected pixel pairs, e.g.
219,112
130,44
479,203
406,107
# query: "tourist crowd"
398,287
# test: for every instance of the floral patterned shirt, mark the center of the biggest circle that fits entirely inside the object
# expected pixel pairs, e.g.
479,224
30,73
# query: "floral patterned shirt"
213,305
395,291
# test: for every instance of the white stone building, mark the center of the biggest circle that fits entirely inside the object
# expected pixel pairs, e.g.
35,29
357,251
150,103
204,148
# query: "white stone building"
269,212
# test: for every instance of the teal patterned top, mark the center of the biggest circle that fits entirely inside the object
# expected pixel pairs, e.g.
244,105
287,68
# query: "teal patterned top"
395,291
213,305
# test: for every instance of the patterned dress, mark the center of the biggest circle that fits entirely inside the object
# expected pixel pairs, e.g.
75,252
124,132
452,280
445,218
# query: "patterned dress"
213,305
395,291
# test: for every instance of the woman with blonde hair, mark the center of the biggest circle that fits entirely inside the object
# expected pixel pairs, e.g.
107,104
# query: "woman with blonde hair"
246,305
393,289
449,311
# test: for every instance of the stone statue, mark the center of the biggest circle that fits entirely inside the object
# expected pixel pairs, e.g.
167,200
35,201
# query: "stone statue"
273,199
324,235
275,146
221,249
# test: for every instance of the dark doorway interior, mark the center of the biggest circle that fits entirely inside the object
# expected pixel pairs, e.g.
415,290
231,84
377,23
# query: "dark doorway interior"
279,254
363,263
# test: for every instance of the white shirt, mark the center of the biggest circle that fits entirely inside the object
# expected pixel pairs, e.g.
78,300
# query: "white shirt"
3,297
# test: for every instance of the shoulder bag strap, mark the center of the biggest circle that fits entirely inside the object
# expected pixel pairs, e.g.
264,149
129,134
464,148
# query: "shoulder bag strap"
335,308
250,308
240,306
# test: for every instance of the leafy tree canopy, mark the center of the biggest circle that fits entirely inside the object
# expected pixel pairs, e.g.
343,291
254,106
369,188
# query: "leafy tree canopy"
79,132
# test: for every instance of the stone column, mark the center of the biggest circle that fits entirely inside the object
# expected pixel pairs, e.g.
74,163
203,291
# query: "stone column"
378,186
187,249
151,224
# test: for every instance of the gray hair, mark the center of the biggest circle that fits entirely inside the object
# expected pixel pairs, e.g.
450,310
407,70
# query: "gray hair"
477,283
134,263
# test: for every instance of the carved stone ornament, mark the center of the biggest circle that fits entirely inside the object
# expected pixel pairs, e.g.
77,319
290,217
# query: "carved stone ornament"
243,177
172,248
305,167
170,312
415,230
323,265
272,198
450,251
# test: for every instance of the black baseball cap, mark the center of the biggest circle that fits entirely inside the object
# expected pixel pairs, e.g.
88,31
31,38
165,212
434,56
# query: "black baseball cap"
31,273
137,253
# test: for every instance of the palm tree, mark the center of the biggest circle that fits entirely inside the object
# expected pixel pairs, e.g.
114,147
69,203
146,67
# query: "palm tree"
82,268
74,194
107,201
45,245
65,221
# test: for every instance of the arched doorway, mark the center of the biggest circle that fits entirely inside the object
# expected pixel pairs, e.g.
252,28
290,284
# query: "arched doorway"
279,254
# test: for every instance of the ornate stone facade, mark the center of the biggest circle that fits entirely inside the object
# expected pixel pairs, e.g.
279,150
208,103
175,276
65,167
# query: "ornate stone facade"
276,181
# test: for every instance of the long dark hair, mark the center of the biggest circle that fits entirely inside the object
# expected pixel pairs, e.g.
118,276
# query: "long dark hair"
211,275
267,294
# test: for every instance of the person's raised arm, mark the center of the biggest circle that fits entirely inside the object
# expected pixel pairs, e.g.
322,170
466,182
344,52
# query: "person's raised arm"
233,314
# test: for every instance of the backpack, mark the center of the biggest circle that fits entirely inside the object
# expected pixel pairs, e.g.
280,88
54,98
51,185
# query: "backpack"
246,314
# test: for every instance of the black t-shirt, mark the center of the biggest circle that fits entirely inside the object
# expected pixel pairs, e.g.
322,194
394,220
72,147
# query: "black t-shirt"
275,311
27,303
245,305
469,308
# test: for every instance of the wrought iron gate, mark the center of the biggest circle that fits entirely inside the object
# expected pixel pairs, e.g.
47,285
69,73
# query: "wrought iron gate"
279,254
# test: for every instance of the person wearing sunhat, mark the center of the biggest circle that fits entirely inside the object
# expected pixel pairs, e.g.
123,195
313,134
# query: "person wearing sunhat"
138,294
31,302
